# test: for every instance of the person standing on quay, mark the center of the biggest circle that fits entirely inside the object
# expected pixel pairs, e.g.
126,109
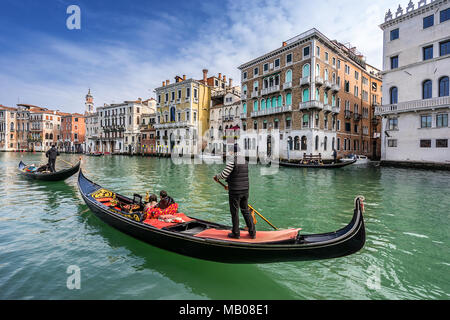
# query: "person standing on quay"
236,174
334,155
51,154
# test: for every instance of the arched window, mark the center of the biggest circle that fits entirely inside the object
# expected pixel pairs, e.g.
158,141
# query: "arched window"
427,88
303,146
332,143
290,143
317,94
274,102
325,142
288,76
244,108
137,120
393,93
305,71
244,89
12,126
325,97
129,120
325,75
333,78
317,70
280,100
296,143
172,114
51,136
316,147
255,85
305,95
288,99
46,136
263,104
255,105
269,103
443,87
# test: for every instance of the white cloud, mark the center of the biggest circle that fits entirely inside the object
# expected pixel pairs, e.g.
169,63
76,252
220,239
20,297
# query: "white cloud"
117,71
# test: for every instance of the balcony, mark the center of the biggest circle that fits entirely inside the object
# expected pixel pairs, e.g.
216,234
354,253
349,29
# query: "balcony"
348,114
313,104
168,125
255,94
335,87
244,96
187,99
178,100
270,111
327,84
335,109
319,81
374,121
227,118
416,105
305,81
243,115
357,116
327,108
270,90
287,85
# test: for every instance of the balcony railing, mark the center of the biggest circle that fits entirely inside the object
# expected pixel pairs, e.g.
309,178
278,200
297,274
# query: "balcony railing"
243,96
357,116
335,109
270,90
327,84
335,87
348,114
319,81
416,105
305,81
327,107
287,85
255,94
180,124
243,115
313,104
269,111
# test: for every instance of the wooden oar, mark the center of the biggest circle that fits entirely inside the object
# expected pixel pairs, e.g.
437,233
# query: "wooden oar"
251,208
66,162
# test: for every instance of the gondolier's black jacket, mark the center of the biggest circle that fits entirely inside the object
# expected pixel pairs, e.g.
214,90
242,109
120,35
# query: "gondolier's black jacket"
52,153
236,174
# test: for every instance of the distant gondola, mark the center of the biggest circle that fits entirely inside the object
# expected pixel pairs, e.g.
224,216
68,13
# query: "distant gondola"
95,154
319,166
49,176
207,240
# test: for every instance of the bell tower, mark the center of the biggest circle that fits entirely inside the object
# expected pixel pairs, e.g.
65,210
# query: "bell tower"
89,103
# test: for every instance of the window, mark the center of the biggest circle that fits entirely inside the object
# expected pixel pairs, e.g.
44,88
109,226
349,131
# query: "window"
255,105
346,86
444,48
334,61
318,51
288,76
339,64
428,53
305,51
427,88
277,63
425,143
441,143
288,123
442,120
394,95
316,144
394,62
425,121
445,15
392,143
188,92
195,93
428,21
326,56
275,124
266,67
305,121
244,75
393,124
394,34
255,71
173,96
348,126
288,58
179,94
443,87
356,75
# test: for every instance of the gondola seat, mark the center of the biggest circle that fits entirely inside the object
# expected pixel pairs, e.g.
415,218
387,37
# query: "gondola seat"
162,224
261,236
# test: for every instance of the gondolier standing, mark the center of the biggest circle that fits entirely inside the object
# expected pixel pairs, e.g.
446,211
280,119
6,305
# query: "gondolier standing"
51,154
236,174
334,155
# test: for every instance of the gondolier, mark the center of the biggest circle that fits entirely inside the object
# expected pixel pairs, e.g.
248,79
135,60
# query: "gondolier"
236,174
51,154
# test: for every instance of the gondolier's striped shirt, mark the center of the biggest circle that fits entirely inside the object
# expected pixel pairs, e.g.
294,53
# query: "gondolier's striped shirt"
226,172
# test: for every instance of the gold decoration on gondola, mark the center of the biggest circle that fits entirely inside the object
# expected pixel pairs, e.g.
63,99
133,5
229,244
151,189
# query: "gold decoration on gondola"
103,193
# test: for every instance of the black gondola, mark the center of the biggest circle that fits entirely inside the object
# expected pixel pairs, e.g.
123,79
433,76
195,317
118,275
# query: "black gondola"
50,176
319,166
191,238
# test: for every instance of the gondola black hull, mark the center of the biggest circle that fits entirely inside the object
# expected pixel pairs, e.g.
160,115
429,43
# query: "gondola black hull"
343,242
54,176
317,166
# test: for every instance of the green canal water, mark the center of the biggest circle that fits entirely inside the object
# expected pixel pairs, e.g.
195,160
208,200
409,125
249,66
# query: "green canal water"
46,227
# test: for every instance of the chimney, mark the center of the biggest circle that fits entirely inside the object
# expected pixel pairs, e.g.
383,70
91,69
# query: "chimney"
220,76
167,82
284,44
205,76
231,82
164,83
184,77
224,78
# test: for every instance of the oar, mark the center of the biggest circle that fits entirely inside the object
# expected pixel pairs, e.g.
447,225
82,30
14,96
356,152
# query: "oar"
251,208
66,162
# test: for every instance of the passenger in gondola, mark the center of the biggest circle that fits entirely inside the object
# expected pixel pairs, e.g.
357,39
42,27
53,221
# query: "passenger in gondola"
51,154
165,206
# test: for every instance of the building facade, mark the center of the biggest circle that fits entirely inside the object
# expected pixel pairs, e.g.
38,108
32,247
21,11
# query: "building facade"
72,135
318,94
182,117
8,137
416,71
147,134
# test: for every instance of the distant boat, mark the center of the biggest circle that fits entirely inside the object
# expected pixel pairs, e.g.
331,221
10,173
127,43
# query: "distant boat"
49,176
360,159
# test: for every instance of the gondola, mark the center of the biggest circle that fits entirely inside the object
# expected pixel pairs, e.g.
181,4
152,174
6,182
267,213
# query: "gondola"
95,154
207,240
319,166
52,176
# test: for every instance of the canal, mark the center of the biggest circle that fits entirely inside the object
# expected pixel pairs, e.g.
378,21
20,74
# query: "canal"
46,227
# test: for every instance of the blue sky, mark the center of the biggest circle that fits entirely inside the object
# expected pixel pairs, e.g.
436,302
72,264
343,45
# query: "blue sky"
127,48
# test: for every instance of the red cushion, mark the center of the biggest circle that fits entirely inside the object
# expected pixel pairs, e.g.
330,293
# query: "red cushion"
261,236
161,224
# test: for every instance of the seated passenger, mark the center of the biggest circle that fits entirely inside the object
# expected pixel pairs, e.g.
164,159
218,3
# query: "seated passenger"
166,206
164,200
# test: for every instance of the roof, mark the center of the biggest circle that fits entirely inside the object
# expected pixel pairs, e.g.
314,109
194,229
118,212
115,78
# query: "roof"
2,107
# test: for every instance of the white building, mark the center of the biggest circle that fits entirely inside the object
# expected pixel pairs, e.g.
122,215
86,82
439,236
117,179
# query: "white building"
119,125
416,71
93,129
